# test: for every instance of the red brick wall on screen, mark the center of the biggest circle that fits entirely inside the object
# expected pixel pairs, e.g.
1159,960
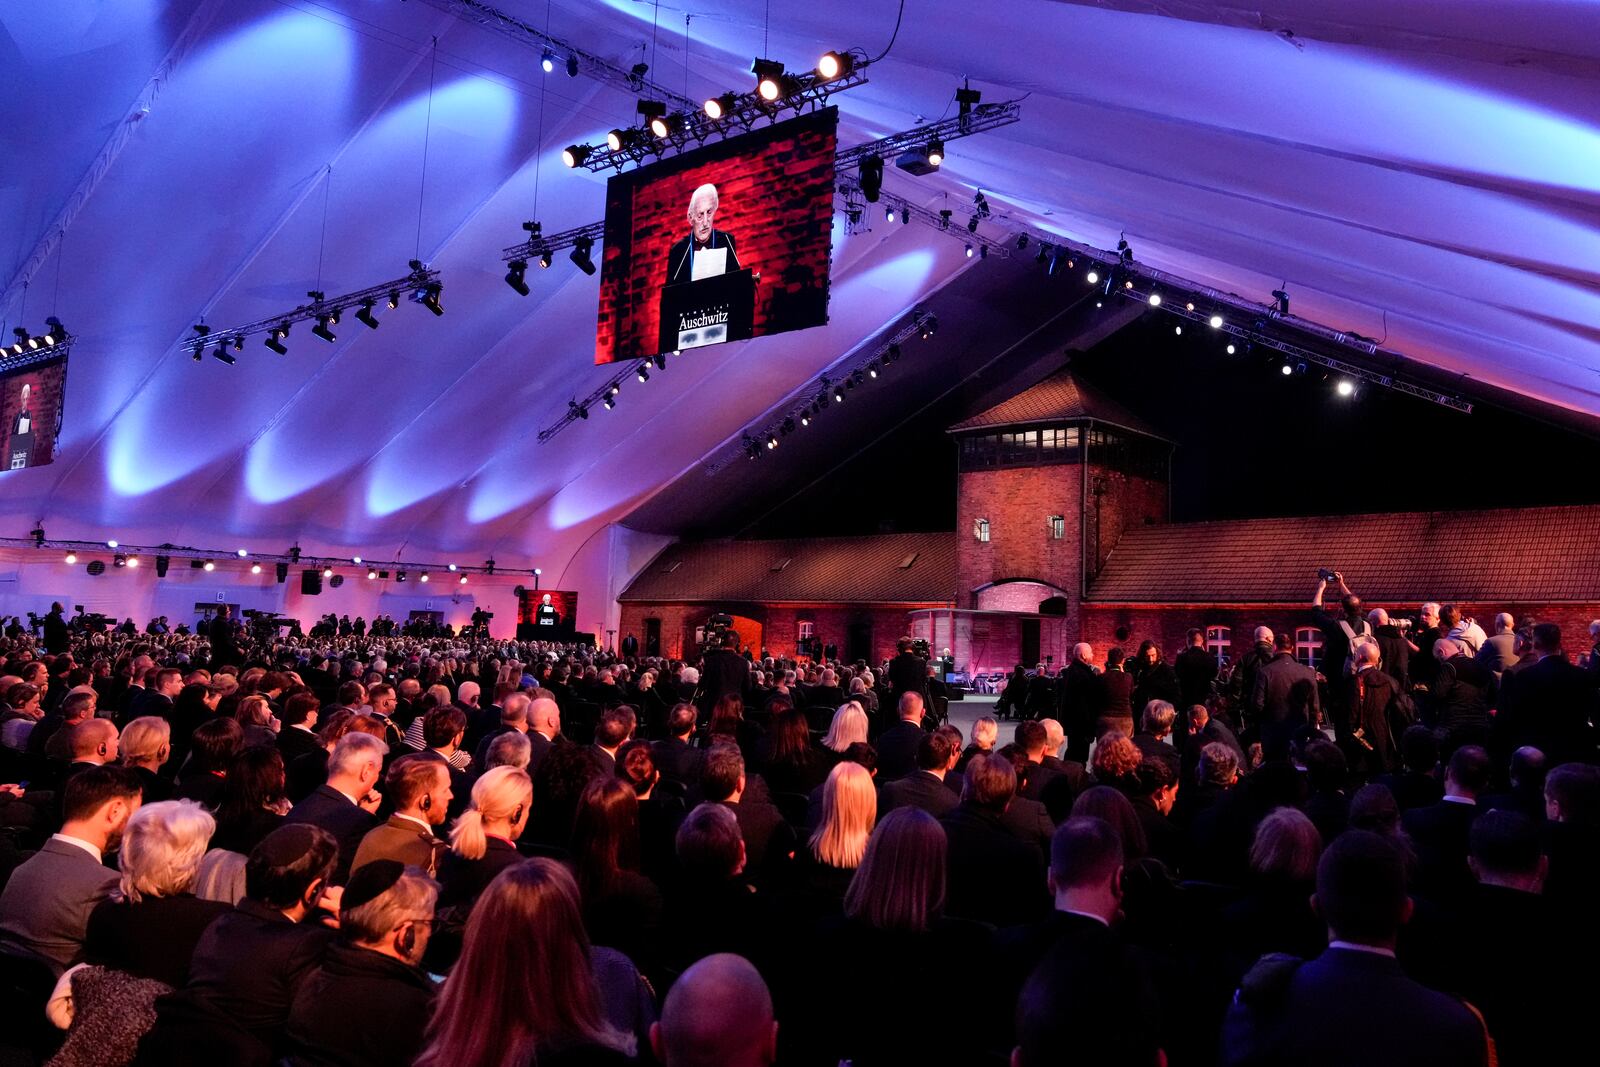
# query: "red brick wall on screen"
775,198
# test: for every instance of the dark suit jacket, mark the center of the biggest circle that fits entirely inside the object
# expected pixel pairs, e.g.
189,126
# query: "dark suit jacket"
768,840
333,1022
678,761
897,750
47,902
1196,669
1548,705
293,741
1384,1019
993,876
1285,689
336,813
725,672
462,881
680,265
1439,832
920,789
154,938
908,673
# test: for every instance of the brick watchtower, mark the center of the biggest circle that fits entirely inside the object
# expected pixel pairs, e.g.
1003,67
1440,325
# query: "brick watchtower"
1048,481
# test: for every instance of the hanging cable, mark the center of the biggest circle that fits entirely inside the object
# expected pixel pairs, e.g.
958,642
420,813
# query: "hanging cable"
322,246
893,36
427,132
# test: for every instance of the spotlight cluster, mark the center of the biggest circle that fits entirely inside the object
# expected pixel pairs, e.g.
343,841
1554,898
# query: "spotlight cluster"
663,128
421,285
831,390
606,395
541,248
52,341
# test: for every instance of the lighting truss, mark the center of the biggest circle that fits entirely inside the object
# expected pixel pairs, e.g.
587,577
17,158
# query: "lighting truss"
420,280
539,243
691,126
982,117
579,409
17,354
603,70
953,225
226,555
804,399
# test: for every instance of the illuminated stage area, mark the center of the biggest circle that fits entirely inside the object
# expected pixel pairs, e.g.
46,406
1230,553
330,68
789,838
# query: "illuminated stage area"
712,512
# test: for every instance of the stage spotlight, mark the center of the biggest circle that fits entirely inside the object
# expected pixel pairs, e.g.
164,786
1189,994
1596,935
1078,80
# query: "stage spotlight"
327,572
1155,300
969,251
365,317
614,140
871,178
517,276
1189,306
650,108
462,580
423,577
394,299
133,561
545,259
718,106
548,61
255,568
119,560
399,576
21,335
1093,276
1178,330
321,329
1286,369
805,417
930,326
1216,322
243,553
72,557
888,214
430,298
972,224
772,442
664,126
936,153
644,372
768,74
111,544
275,338
967,98
838,394
574,155
208,566
1232,350
200,329
371,574
660,360
221,352
872,369
610,401
56,332
580,254
1128,284
1282,299
835,65
572,66
1345,387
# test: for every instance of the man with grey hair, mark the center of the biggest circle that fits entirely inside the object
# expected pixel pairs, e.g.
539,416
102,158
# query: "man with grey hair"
1499,651
509,750
513,718
345,804
1075,700
706,251
1154,739
1394,648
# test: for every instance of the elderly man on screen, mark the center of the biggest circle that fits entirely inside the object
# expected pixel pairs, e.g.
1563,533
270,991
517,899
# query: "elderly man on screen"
706,251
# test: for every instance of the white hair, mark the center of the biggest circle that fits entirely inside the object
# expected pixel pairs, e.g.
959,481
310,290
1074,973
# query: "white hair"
689,676
162,847
354,749
849,726
1594,628
1083,650
1430,608
467,691
703,191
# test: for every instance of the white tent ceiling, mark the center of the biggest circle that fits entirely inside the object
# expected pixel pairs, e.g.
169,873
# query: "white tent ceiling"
1427,173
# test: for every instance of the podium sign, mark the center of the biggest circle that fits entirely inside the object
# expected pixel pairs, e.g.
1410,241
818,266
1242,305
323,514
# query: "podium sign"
707,311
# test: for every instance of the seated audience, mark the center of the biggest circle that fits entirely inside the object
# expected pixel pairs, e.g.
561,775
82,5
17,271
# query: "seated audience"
345,803
789,761
418,789
769,841
993,875
150,925
529,988
1274,914
985,732
1115,763
212,749
47,902
622,909
146,745
1414,784
829,859
1281,1015
483,841
849,725
897,746
712,907
509,750
676,758
925,788
253,800
718,1014
1440,831
369,1002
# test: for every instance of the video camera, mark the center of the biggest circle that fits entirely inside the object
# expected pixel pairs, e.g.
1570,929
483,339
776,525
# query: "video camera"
920,647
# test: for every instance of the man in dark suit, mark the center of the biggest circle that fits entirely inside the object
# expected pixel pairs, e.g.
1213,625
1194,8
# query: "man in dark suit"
251,962
703,236
1204,730
299,719
344,805
615,727
1441,831
925,787
676,759
1285,694
44,911
993,876
630,646
163,687
769,842
1383,1018
725,673
224,642
897,746
1075,701
908,672
1549,705
1196,670
1049,775
56,637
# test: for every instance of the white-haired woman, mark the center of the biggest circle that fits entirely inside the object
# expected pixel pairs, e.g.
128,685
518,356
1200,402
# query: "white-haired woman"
150,925
849,726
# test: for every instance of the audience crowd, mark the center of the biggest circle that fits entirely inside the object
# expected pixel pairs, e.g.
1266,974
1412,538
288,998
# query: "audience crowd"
388,849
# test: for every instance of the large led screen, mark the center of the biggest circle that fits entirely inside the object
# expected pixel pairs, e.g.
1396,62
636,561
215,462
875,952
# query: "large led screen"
30,410
723,243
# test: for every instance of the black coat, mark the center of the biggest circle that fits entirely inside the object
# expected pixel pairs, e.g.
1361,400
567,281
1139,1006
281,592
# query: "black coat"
897,750
347,821
1549,706
908,673
725,672
359,1009
154,938
462,881
1439,833
1196,670
678,761
919,789
1112,696
993,876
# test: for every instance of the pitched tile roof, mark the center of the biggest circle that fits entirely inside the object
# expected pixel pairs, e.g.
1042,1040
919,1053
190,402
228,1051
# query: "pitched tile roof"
1059,397
805,570
1509,555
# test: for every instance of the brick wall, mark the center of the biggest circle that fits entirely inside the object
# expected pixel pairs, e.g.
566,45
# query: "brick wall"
779,624
775,196
1017,502
1118,502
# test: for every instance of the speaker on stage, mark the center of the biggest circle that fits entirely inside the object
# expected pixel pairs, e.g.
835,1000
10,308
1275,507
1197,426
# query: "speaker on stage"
310,582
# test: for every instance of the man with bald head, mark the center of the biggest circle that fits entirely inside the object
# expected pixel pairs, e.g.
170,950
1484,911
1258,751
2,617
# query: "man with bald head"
544,726
1075,700
718,1014
706,251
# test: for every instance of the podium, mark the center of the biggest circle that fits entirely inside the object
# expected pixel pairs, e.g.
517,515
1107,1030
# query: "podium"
707,312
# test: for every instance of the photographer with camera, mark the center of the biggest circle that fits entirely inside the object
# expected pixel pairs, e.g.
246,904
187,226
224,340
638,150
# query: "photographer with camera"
1391,638
1340,631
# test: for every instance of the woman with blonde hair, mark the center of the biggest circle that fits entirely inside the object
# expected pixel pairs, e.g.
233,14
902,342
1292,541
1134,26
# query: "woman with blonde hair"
528,986
483,839
146,744
849,726
849,812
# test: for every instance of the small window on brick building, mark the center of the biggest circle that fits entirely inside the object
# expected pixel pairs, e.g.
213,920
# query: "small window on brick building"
1219,640
1058,527
1308,646
980,529
807,628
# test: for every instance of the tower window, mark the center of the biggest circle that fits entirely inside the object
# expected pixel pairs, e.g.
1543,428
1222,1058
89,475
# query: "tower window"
980,529
1058,527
